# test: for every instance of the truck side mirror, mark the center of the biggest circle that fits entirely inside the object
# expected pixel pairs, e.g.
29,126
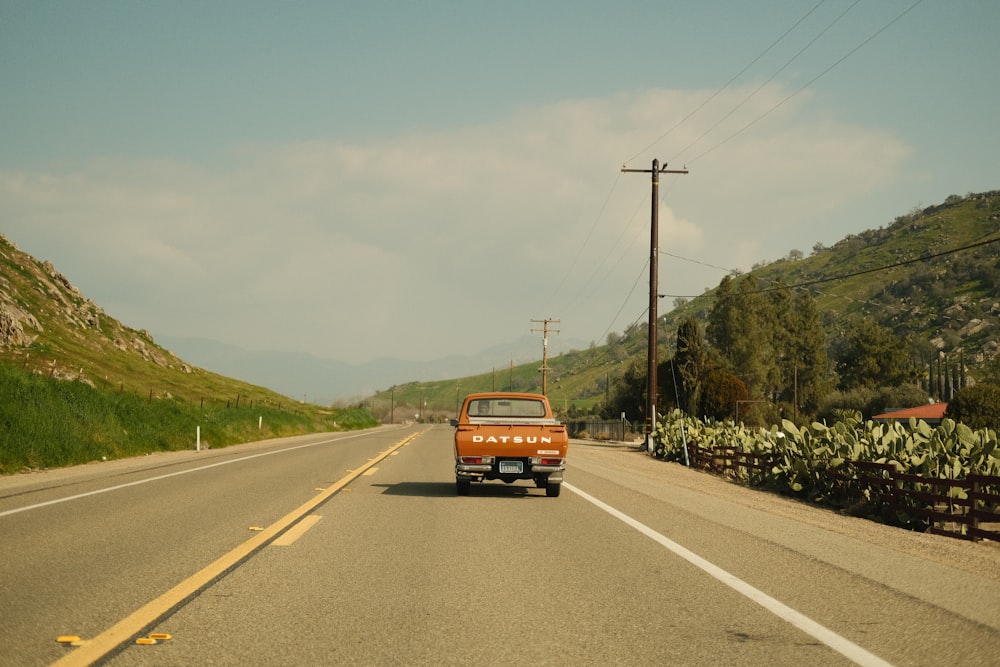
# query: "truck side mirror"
453,422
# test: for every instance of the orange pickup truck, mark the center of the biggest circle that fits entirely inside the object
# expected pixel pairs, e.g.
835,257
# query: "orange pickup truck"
509,436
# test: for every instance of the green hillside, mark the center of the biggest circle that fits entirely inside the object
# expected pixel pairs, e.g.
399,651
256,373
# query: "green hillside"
77,385
932,275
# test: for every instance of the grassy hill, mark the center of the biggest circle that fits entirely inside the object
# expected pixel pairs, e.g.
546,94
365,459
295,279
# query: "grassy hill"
77,385
932,275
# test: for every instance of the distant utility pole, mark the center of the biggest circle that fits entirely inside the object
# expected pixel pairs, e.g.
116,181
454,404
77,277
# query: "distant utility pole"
654,252
545,347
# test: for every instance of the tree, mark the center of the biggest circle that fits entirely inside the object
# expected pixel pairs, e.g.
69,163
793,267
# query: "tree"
866,354
721,332
691,363
805,362
977,406
737,333
628,395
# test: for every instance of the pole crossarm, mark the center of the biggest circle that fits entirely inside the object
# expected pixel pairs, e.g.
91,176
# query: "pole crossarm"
651,361
545,347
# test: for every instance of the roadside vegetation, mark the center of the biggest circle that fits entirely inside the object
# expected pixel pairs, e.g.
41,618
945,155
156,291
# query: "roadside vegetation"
45,422
820,462
77,385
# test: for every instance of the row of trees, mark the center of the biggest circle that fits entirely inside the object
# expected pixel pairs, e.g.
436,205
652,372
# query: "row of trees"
764,355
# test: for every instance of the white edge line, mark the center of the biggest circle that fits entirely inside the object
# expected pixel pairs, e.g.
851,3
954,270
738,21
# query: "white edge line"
95,492
841,645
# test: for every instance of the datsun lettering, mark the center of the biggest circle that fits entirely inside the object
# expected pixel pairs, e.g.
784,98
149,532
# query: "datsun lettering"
509,436
516,439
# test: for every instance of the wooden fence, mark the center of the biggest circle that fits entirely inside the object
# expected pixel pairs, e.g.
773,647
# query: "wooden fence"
619,430
963,508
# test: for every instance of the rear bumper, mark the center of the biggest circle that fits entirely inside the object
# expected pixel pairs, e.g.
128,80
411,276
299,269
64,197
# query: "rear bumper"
554,474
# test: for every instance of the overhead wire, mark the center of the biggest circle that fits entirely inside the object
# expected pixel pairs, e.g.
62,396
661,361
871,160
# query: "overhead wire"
614,185
854,274
769,79
586,240
729,83
606,256
807,83
695,261
625,302
607,350
735,134
732,79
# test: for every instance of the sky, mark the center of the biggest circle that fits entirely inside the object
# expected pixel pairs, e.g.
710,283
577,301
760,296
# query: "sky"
419,179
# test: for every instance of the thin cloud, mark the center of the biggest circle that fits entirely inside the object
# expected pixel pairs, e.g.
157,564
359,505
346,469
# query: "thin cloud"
393,246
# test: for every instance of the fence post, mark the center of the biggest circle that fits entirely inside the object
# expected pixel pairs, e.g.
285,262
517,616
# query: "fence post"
975,507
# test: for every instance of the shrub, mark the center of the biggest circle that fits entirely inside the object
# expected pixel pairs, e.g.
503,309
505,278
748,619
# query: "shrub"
720,392
977,406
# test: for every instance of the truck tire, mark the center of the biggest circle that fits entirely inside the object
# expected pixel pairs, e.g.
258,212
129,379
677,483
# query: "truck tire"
462,486
552,490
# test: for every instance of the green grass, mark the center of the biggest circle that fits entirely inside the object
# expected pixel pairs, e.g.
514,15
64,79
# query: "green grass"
48,423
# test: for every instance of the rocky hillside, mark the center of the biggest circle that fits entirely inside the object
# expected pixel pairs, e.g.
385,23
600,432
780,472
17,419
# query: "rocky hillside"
33,292
48,326
932,275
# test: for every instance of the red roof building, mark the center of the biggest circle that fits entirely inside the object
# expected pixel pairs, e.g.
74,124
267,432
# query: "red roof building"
932,413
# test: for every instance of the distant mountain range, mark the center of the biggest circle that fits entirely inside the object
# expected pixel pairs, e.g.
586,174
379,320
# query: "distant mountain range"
324,381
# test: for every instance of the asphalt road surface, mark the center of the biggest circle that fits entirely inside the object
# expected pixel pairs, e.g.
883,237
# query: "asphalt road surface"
354,549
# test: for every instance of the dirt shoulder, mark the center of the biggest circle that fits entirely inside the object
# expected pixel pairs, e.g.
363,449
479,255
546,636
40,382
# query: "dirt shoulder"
979,558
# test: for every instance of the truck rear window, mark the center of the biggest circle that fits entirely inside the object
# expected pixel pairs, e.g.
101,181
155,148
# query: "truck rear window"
506,407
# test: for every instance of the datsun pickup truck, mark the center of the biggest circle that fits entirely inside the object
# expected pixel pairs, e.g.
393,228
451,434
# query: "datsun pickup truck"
509,436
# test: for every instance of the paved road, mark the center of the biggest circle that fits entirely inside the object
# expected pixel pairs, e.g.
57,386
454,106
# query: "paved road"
354,549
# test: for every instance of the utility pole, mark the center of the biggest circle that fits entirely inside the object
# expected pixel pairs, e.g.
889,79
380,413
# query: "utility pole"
654,252
545,347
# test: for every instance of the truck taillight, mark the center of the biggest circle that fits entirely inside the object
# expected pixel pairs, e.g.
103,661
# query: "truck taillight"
478,460
539,461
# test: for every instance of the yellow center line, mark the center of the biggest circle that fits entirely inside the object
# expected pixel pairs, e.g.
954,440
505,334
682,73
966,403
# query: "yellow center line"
132,624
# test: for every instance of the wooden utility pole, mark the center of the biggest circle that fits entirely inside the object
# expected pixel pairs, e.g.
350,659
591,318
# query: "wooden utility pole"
654,252
545,347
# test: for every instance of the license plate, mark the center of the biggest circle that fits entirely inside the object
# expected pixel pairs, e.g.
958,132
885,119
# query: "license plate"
512,467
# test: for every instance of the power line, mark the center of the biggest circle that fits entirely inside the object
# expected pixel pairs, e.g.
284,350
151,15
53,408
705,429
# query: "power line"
728,83
750,124
818,281
642,272
695,261
808,83
769,79
600,273
608,349
586,239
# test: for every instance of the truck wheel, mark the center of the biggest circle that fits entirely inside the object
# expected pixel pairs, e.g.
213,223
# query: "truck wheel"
552,490
462,486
